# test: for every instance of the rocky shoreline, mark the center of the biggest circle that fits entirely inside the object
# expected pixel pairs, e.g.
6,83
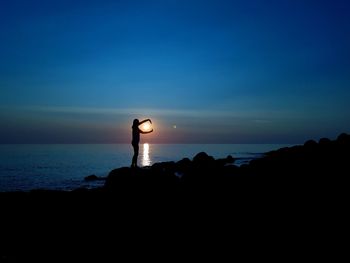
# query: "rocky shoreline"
305,169
296,190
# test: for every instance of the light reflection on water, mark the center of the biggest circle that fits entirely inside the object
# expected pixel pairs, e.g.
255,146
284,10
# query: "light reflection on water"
146,161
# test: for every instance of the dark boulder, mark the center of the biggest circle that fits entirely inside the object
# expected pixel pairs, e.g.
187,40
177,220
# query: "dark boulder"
228,160
310,144
164,167
183,165
203,158
324,141
344,138
93,178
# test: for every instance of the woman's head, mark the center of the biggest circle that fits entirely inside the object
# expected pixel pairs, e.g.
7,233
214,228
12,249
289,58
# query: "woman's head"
135,123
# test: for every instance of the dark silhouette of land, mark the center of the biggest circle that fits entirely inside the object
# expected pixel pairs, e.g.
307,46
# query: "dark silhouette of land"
296,190
308,169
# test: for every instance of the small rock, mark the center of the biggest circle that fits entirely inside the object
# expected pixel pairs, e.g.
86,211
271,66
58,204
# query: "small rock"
91,178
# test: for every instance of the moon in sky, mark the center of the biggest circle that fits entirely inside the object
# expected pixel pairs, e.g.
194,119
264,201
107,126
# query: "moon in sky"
174,126
146,126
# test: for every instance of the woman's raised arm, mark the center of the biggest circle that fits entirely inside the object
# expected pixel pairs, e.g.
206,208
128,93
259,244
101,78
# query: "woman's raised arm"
141,122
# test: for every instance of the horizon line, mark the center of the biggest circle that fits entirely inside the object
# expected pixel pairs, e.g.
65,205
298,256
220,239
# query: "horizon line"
77,143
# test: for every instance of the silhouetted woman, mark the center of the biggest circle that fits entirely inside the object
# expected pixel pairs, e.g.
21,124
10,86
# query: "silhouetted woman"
136,138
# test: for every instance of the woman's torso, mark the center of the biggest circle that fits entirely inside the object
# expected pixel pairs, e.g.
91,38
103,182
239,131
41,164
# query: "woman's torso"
135,135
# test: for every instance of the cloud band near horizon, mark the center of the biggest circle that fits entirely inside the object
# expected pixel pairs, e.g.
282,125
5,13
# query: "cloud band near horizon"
112,125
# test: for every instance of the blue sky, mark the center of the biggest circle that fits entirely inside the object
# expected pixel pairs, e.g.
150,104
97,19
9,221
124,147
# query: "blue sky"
221,71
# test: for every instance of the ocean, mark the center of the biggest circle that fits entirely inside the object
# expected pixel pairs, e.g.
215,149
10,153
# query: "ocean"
24,167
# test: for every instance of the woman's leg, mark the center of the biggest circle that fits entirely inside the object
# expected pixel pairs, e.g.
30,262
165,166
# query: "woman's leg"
136,153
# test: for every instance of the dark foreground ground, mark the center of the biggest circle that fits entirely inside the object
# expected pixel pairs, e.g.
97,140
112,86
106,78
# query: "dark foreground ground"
297,192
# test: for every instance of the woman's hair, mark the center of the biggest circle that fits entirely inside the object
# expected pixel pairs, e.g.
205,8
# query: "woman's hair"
135,123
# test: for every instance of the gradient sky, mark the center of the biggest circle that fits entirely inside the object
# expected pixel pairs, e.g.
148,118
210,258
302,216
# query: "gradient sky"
245,71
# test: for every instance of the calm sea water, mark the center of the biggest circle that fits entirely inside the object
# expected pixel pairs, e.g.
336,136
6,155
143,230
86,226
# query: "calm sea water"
64,166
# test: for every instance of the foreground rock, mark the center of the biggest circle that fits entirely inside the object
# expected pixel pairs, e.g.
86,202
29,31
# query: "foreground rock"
296,183
169,176
309,169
